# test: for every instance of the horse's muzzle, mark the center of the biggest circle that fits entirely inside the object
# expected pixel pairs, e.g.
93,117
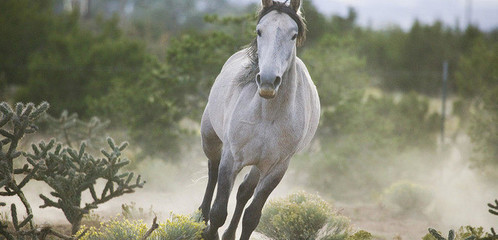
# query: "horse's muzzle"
267,93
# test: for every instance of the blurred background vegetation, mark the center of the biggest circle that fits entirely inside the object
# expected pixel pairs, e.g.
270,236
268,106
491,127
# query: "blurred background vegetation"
147,66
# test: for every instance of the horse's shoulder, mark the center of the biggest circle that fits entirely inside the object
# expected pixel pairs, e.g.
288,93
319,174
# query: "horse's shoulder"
238,57
304,75
301,67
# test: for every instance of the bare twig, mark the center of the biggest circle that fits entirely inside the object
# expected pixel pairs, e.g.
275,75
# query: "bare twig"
151,229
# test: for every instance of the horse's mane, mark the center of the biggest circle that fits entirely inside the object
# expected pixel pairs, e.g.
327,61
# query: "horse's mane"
252,49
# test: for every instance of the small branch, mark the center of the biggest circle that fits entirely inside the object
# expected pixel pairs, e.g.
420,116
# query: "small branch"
493,208
7,193
48,202
27,206
28,177
152,228
6,234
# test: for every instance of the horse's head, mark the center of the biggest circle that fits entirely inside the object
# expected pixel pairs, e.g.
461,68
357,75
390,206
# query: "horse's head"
280,28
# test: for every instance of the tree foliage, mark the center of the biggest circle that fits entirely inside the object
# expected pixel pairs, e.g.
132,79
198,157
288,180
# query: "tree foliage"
25,29
477,80
152,105
77,65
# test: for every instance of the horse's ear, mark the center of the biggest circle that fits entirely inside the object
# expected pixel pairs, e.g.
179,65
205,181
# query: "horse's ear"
267,3
295,4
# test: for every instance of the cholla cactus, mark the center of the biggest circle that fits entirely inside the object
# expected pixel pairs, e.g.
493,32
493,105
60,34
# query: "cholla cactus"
14,124
70,172
69,129
451,235
475,233
67,171
493,209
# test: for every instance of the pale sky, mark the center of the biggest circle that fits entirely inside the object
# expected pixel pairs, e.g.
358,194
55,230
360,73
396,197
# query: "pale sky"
382,13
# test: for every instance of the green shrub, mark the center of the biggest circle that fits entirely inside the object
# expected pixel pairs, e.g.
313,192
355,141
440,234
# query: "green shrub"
302,216
463,233
360,235
407,197
115,230
178,227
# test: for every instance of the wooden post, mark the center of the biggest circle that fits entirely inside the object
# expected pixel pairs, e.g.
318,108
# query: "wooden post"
443,102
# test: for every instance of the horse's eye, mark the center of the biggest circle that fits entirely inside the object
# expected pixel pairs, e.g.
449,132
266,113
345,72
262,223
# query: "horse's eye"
294,37
259,32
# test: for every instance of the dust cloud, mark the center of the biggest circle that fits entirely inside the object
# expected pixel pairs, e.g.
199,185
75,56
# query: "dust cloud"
460,194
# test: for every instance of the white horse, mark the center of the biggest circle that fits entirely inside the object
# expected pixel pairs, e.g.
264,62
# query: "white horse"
262,109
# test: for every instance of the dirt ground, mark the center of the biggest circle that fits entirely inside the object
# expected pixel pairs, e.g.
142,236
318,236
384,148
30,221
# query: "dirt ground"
384,224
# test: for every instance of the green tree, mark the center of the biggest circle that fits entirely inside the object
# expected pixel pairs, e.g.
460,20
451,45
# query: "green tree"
153,105
477,82
424,51
150,106
78,65
338,72
197,59
25,28
316,23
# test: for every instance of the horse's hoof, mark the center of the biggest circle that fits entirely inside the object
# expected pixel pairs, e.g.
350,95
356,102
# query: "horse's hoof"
206,235
228,236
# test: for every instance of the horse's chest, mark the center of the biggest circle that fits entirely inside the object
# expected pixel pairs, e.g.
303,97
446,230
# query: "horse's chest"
255,140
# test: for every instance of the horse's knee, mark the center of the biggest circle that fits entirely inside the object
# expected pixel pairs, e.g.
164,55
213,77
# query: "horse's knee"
246,189
245,192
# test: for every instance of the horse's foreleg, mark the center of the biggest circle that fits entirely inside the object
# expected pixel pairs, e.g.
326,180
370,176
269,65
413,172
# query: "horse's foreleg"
244,193
208,195
212,145
218,213
252,213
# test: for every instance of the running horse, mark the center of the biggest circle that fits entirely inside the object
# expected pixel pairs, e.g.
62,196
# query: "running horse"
262,109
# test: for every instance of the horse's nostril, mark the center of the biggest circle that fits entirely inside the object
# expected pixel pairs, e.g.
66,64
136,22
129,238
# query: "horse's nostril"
278,80
258,79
